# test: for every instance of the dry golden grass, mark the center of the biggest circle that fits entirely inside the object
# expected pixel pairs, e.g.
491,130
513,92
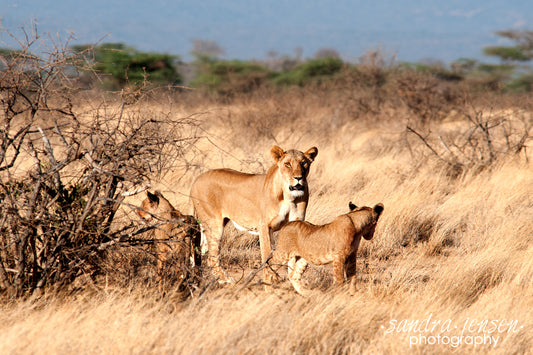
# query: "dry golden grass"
454,254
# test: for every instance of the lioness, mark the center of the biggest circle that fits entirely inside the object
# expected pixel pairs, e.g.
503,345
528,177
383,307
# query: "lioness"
261,202
301,242
177,236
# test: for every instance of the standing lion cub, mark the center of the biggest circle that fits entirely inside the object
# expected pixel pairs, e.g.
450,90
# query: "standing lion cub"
301,242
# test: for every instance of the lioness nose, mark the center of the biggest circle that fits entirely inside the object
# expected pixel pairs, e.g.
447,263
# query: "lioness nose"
298,178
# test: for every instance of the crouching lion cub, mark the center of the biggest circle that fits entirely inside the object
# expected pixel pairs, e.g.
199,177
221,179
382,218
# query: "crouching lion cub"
301,242
176,236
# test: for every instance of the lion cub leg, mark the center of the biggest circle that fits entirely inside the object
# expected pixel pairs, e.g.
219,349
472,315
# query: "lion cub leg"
296,267
338,269
163,253
350,266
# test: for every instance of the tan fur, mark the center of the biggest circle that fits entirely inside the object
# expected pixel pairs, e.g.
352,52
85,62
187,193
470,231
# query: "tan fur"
178,240
301,242
262,202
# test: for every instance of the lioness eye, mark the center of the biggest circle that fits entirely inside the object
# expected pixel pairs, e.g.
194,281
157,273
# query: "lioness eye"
304,164
288,165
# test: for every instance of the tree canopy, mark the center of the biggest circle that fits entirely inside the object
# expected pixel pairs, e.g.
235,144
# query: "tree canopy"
120,65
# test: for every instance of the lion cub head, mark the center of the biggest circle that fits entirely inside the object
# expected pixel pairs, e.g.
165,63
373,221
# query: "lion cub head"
155,205
367,218
294,167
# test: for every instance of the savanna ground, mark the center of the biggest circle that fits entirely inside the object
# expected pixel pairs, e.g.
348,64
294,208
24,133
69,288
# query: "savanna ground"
450,268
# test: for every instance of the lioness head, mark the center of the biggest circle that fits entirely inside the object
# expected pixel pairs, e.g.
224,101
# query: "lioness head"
368,219
294,166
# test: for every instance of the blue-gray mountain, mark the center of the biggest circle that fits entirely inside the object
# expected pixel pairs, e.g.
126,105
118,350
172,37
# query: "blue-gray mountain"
246,29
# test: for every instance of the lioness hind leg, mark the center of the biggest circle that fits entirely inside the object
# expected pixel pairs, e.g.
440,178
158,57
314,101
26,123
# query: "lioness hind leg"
213,236
296,267
203,241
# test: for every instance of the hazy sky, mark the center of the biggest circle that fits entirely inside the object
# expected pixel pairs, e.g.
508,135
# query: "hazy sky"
410,29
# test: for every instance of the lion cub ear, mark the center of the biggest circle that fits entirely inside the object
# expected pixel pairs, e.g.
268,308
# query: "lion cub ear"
154,198
277,153
378,208
311,153
352,206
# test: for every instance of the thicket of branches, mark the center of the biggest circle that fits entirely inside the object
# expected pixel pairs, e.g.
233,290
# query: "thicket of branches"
64,174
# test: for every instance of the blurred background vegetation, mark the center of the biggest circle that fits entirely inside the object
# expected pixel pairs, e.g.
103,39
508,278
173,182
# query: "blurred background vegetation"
115,66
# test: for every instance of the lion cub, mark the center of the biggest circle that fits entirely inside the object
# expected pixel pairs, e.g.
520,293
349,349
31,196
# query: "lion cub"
176,236
301,242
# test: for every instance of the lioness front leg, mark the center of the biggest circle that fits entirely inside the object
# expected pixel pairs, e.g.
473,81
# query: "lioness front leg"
298,213
266,237
265,243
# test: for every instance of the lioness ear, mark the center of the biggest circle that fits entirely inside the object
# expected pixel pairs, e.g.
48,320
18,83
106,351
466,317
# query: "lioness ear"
277,153
311,153
152,197
352,206
378,208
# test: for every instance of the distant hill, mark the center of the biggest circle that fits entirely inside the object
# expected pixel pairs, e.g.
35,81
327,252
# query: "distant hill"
412,29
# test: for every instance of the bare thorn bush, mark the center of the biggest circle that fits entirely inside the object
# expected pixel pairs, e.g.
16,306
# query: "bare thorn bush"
63,174
490,134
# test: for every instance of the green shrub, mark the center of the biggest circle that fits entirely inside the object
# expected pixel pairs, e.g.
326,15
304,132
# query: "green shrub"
439,71
231,76
312,71
523,83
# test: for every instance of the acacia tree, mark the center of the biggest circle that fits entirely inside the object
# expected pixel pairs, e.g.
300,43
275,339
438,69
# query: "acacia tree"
522,51
119,65
513,72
